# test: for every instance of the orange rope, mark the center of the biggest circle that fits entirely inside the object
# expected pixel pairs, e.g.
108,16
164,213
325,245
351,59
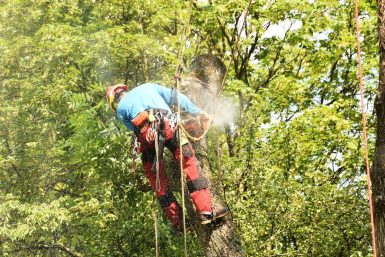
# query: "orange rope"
364,127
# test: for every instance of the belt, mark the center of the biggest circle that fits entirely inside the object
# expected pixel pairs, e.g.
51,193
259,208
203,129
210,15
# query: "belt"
147,116
155,111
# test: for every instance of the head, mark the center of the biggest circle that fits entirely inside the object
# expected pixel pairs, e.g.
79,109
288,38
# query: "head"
113,95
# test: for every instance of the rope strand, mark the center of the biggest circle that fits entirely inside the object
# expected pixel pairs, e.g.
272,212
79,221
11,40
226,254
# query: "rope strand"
364,128
186,31
154,214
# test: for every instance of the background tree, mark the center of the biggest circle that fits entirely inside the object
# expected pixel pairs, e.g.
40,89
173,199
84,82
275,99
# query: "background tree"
378,169
290,166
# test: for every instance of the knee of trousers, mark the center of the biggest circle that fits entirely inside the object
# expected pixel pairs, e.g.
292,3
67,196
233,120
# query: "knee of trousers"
148,155
172,144
197,184
187,150
166,199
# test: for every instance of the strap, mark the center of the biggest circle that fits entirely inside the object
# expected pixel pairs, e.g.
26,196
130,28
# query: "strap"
148,155
172,144
174,99
167,199
197,184
160,141
187,150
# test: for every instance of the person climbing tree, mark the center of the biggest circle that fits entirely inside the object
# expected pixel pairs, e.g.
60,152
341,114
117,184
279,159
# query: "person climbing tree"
146,111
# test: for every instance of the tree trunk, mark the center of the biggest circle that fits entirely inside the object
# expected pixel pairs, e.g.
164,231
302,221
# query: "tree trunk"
202,86
378,169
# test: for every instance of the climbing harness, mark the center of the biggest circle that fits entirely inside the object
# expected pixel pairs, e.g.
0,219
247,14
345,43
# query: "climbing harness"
364,128
135,146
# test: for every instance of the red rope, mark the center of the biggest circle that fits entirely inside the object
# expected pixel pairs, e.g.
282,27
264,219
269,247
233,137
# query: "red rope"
364,127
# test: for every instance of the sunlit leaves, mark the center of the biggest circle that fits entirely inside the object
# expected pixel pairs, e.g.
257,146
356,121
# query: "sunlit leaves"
291,163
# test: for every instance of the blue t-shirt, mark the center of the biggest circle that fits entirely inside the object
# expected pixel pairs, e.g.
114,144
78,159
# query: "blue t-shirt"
149,96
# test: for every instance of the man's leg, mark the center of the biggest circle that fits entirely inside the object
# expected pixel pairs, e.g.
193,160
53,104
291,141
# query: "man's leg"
197,186
165,196
196,183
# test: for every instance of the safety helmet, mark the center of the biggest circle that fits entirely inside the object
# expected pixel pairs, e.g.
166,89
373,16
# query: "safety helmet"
112,94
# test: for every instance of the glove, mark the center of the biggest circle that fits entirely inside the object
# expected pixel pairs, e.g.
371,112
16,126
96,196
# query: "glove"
204,120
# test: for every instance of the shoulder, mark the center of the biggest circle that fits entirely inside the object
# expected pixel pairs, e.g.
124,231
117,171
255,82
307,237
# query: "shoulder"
120,111
149,85
146,87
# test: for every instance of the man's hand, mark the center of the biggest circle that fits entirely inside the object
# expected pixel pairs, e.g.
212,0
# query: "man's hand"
204,120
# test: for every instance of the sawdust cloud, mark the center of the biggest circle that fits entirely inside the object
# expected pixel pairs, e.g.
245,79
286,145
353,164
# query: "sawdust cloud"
223,109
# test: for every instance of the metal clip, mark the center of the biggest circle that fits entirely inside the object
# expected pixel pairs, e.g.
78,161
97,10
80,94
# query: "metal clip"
151,116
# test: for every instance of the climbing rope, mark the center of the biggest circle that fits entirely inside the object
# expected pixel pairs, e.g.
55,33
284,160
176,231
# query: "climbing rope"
186,32
192,138
181,128
182,178
154,215
157,162
364,127
180,59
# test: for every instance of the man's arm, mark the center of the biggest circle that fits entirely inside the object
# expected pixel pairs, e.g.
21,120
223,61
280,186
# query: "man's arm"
124,120
185,102
203,118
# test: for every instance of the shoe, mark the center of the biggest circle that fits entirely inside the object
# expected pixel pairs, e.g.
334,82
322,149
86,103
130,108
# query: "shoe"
207,218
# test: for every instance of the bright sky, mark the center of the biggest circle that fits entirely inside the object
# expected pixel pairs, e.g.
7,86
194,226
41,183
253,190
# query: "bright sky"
279,30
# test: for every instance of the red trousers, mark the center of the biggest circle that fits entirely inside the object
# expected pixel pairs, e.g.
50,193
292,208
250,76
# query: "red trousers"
201,198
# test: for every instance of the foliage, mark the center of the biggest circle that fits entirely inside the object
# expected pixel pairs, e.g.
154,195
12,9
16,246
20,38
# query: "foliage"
291,164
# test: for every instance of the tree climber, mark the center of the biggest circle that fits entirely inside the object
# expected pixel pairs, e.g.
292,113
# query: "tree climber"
146,111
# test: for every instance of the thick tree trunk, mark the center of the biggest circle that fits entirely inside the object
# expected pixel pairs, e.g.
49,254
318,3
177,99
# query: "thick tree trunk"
378,169
202,86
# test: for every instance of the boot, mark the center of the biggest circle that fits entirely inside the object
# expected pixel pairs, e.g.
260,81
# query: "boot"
207,217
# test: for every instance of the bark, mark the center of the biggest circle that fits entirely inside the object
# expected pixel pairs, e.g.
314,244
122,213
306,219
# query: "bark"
202,86
378,168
